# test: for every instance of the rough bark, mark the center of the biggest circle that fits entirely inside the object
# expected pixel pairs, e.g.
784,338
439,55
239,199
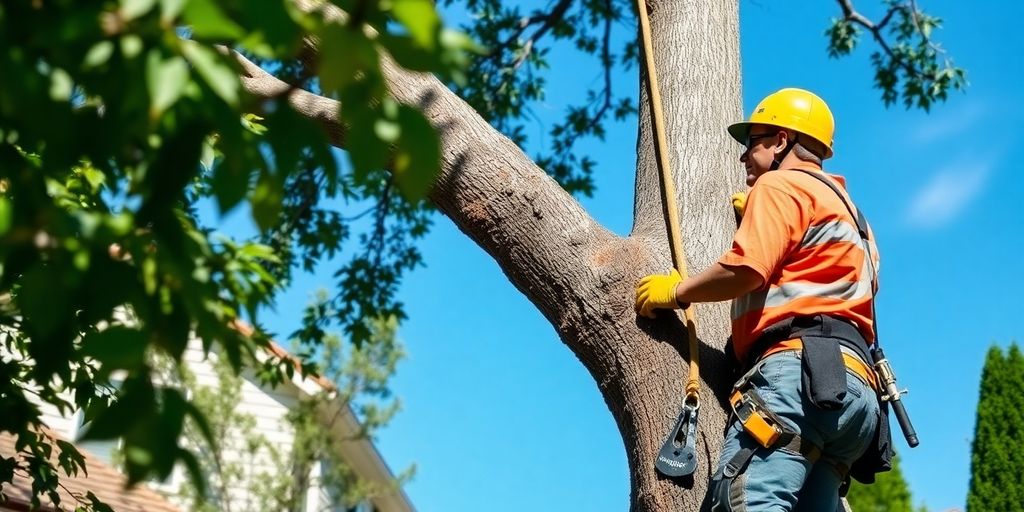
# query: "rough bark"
577,273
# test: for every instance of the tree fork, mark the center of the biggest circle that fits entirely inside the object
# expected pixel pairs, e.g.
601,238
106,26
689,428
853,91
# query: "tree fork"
580,275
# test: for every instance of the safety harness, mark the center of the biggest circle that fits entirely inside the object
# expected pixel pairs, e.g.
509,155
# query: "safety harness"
763,425
829,347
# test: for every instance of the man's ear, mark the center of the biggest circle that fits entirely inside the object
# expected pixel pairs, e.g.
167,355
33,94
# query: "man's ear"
780,142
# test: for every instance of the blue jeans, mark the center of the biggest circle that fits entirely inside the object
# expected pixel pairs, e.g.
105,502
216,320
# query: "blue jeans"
777,480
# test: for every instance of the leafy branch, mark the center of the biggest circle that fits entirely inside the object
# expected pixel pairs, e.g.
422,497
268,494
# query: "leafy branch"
504,84
913,58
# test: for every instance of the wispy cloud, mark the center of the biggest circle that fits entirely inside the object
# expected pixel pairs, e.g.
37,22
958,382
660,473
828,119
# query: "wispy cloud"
943,124
947,194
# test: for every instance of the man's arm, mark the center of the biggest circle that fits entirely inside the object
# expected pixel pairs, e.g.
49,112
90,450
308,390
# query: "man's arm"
717,283
720,282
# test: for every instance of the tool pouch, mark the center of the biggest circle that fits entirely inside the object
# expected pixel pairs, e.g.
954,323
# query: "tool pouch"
824,374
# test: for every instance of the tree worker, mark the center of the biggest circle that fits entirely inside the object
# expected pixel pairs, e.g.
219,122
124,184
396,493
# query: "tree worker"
802,276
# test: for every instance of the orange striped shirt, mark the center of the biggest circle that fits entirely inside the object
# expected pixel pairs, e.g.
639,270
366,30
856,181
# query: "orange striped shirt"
797,234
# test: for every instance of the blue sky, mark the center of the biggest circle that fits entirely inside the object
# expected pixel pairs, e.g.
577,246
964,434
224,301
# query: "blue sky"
498,415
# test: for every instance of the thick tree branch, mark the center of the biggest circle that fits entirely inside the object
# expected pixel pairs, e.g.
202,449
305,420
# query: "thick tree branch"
483,173
262,84
580,276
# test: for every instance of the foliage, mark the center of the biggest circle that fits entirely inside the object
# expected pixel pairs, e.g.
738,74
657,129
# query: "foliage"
889,493
248,472
912,65
121,122
504,82
996,457
118,121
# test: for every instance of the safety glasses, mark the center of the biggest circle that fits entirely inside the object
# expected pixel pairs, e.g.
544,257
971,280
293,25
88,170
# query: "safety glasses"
751,139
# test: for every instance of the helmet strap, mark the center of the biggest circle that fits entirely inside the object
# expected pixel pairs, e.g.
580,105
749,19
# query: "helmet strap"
777,161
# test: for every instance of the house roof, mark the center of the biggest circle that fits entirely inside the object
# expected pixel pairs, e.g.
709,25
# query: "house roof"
104,481
109,485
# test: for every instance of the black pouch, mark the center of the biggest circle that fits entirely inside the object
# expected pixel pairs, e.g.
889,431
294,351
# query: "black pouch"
824,373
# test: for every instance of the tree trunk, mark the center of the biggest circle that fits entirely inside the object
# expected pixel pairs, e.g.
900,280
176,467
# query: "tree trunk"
577,273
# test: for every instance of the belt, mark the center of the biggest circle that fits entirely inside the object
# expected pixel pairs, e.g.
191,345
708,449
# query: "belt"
850,360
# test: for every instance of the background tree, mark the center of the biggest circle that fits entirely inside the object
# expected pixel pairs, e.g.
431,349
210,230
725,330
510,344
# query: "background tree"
889,493
245,471
118,120
996,457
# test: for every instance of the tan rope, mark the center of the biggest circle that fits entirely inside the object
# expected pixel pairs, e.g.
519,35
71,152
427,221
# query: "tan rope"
669,196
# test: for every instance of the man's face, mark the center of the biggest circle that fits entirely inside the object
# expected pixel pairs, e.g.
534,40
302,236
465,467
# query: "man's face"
759,153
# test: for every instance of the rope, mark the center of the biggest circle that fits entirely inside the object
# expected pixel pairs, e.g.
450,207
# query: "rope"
668,195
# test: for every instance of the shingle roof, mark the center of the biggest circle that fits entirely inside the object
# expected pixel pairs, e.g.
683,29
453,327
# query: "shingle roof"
104,481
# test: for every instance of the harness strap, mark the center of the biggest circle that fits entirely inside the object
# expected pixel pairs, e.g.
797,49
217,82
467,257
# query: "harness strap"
751,409
768,429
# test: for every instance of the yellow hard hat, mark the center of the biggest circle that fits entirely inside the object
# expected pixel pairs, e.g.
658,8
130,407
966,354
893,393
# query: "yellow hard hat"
794,109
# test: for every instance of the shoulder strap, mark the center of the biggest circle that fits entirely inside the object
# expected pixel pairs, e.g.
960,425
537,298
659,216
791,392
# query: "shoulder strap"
862,222
862,228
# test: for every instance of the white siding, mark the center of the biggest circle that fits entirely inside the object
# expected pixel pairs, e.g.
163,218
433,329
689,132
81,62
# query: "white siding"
65,425
269,408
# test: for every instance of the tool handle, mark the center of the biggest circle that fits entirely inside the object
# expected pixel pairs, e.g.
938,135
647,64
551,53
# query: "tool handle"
904,419
892,395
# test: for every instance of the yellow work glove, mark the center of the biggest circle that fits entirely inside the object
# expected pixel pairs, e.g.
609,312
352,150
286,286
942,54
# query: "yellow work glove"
739,203
657,291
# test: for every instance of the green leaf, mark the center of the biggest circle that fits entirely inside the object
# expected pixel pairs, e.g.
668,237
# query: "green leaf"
150,277
131,9
170,9
136,403
195,471
119,224
98,55
254,124
387,130
165,442
420,18
7,466
266,201
417,156
207,20
138,455
131,46
6,215
366,151
215,70
208,155
60,85
345,56
408,54
117,347
230,186
201,423
97,504
70,459
275,32
166,80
